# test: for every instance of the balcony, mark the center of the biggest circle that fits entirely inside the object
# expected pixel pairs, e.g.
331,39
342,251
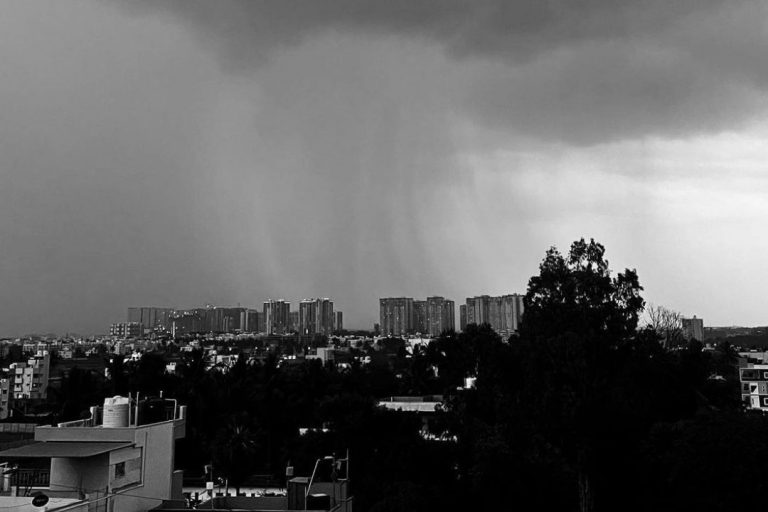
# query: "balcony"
28,478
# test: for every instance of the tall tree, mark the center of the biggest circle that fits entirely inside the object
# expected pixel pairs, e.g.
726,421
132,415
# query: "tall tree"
234,452
577,317
578,295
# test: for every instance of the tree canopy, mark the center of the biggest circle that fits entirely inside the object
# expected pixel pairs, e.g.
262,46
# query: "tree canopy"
578,295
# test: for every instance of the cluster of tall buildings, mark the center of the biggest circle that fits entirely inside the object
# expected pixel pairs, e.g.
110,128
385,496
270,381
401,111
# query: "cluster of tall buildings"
150,318
213,319
314,316
504,313
400,316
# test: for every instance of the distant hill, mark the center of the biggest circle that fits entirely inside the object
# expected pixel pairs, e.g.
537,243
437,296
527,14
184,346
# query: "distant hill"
745,337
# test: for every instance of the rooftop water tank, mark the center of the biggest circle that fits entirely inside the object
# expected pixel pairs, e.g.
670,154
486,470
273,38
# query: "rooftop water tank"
116,412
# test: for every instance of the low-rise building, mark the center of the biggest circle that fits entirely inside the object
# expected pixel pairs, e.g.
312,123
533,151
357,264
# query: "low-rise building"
121,459
754,386
426,408
6,396
30,379
126,330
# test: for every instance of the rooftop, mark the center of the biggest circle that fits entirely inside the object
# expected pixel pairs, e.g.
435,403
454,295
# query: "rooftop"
68,449
24,503
428,403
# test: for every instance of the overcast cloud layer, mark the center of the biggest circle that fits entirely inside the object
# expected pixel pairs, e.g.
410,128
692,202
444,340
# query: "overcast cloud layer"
578,71
178,153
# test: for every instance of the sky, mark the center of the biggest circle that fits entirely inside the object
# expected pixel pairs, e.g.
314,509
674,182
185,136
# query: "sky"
183,153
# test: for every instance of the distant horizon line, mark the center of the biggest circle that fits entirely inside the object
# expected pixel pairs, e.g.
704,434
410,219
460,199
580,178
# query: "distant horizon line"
75,334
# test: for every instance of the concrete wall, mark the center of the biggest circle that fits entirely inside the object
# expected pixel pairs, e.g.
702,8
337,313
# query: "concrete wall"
157,444
100,434
90,474
177,485
125,468
246,503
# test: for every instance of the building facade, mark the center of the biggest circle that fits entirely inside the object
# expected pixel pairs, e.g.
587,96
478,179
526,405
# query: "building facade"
693,328
754,386
440,315
504,313
420,316
152,319
6,396
399,316
251,322
396,316
126,330
277,316
186,322
30,379
316,316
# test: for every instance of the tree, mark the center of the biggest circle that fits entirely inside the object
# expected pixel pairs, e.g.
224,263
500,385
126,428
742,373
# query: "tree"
667,323
577,318
234,450
149,375
578,295
117,372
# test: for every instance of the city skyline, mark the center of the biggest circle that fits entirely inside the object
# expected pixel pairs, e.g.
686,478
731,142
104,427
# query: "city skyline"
135,314
201,152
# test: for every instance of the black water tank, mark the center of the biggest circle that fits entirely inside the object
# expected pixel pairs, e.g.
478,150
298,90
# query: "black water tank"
151,410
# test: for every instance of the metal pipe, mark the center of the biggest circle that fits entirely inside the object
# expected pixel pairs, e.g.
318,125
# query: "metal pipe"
312,478
309,485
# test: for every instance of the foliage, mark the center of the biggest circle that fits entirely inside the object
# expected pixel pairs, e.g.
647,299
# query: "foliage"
235,449
667,324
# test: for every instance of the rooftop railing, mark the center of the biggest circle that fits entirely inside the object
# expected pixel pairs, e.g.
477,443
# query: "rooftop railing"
147,412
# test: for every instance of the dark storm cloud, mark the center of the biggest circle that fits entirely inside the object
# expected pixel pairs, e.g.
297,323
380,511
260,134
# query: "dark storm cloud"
519,29
576,71
178,153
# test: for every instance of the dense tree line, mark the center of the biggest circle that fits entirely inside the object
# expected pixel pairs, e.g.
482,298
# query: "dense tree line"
582,410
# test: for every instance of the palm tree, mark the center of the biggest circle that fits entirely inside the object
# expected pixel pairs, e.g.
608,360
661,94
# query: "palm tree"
234,452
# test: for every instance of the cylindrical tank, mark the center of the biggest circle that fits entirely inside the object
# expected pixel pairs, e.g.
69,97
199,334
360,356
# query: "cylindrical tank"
151,410
116,410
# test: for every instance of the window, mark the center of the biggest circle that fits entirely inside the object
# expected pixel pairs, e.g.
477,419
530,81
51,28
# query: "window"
127,472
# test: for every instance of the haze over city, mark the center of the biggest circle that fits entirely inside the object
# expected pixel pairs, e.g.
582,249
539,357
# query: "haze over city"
182,153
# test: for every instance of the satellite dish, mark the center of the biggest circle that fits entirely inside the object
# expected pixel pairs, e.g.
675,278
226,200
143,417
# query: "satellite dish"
39,500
